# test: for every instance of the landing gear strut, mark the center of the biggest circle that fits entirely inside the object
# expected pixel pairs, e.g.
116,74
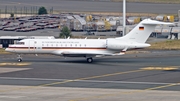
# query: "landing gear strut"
89,60
19,58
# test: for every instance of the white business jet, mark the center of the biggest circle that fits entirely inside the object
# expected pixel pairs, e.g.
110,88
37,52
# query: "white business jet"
88,48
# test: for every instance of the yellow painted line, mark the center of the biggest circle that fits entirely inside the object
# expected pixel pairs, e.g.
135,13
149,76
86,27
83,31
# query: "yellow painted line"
14,64
161,68
66,81
93,77
55,83
165,86
113,74
136,91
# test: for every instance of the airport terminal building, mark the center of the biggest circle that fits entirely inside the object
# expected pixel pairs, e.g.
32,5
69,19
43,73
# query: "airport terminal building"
5,41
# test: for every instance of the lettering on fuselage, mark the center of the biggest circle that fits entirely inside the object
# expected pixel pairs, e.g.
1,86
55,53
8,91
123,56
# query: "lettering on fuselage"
58,42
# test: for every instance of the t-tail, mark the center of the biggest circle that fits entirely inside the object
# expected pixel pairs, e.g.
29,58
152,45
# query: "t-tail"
142,31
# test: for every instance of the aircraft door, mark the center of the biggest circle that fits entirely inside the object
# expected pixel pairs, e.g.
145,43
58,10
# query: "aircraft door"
106,43
31,46
38,47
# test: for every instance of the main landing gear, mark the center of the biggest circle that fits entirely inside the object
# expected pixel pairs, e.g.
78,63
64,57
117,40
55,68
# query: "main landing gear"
19,58
90,60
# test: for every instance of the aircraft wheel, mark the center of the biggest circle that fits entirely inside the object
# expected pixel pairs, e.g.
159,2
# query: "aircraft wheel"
89,60
19,60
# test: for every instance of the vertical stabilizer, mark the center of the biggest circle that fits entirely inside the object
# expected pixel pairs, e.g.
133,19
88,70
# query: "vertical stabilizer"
142,31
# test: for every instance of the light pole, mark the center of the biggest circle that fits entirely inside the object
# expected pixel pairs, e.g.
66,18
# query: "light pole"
124,17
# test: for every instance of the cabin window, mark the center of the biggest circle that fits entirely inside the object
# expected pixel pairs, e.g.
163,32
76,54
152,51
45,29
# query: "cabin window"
56,44
42,44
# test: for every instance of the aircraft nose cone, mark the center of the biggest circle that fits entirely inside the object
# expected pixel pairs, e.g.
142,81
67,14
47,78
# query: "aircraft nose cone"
8,50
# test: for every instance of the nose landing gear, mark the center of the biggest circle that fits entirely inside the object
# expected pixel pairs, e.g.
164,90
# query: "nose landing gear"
19,58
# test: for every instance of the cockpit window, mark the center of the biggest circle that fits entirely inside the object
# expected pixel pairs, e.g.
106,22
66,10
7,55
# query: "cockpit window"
19,43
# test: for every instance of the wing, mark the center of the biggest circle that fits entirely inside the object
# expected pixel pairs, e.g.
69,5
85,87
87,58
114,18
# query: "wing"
85,53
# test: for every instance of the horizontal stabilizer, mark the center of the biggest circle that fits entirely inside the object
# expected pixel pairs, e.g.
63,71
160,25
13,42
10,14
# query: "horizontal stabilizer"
153,22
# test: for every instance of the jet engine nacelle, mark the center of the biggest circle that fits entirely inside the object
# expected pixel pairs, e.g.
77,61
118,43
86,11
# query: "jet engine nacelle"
115,44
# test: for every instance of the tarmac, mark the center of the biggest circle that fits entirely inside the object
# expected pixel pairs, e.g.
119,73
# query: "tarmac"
143,75
85,94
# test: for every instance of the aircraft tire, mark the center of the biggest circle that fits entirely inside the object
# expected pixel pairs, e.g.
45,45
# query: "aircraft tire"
19,60
89,60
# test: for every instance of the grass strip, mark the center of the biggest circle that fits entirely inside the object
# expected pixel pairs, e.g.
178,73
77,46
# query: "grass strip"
165,45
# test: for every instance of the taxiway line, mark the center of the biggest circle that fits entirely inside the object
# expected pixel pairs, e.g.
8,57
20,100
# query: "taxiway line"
165,86
93,77
67,81
129,92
